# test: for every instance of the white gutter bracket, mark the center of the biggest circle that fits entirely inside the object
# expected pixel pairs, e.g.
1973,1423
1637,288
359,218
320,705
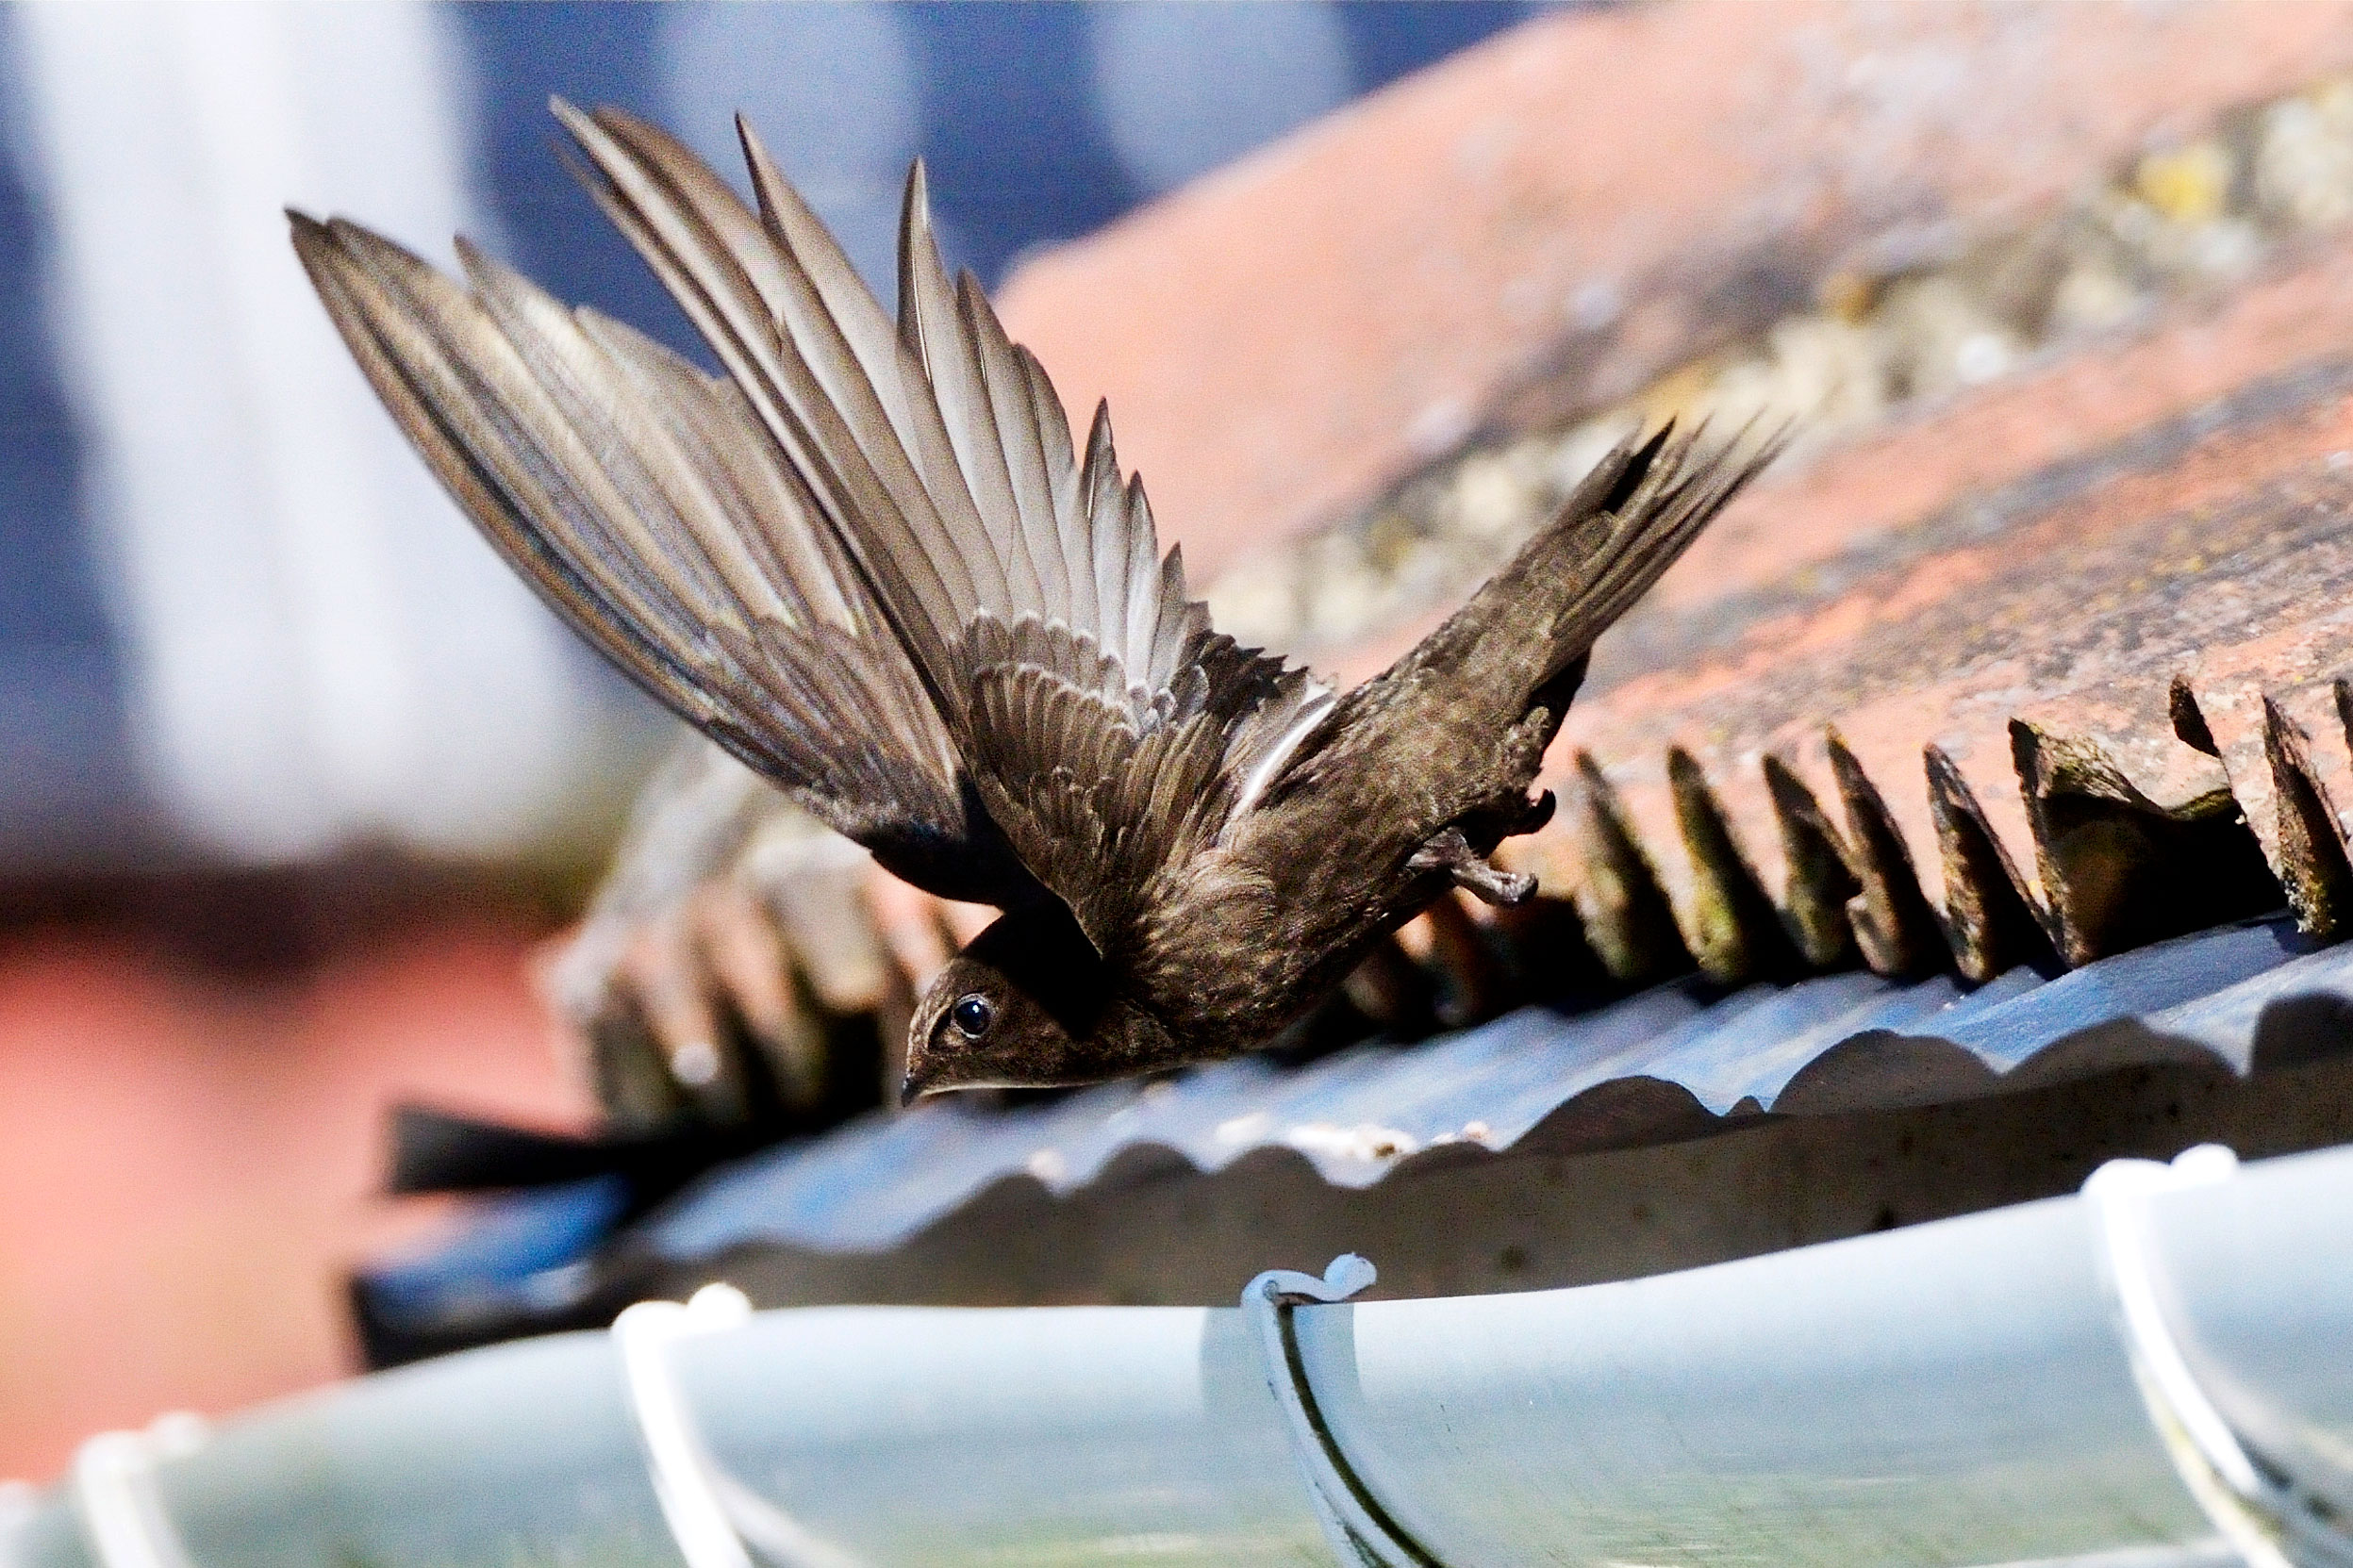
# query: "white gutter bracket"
113,1485
2269,1516
715,1519
1361,1532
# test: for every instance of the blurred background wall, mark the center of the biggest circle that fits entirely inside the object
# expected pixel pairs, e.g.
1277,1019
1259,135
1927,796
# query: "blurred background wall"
238,627
293,774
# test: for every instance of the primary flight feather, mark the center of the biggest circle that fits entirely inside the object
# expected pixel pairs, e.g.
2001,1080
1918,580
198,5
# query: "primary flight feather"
868,560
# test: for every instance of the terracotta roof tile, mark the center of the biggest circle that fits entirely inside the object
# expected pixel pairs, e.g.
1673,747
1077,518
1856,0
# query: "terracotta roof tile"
1584,204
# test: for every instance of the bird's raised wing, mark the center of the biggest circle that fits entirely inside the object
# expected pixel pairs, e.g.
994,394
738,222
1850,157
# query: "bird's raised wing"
647,504
1108,730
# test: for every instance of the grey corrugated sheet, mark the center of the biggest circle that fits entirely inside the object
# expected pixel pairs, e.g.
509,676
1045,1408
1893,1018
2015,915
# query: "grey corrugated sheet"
1666,1065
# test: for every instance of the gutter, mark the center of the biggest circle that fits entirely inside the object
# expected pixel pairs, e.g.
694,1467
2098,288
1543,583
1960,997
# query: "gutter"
2152,1375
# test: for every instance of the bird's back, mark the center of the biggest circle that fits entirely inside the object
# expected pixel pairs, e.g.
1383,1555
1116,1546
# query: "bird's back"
1450,738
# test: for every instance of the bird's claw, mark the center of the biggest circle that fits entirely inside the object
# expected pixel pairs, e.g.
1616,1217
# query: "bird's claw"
1489,884
1451,853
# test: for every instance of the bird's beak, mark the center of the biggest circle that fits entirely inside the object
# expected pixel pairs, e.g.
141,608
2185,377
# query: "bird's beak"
910,1091
917,1079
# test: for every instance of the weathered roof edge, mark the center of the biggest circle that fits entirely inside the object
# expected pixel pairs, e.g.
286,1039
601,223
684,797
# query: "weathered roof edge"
1662,1066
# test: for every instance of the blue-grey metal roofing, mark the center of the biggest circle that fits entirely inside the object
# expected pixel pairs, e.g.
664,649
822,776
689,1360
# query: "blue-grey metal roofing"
1670,1063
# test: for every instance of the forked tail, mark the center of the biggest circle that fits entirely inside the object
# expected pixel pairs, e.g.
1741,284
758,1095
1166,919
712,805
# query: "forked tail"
1523,639
1432,762
1410,781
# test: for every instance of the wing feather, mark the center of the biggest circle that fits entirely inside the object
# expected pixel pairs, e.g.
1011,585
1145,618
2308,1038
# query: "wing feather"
938,453
930,326
1105,507
1143,585
853,482
1061,474
645,501
715,427
738,288
436,371
931,502
1012,419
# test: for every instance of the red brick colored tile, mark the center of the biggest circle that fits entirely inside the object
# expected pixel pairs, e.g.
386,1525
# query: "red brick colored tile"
1591,198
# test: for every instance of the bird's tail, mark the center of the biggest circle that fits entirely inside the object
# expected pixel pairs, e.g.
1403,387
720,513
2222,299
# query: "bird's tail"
1464,718
1428,766
1523,638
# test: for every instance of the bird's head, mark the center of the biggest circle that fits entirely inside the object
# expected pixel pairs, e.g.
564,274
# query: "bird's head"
1027,1005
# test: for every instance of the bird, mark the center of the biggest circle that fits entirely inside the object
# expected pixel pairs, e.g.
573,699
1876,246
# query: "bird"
869,559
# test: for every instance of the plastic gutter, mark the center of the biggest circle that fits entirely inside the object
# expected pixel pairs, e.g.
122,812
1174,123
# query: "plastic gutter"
2063,1379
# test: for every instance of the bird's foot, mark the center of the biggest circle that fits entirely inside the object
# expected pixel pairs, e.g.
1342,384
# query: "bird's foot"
1451,853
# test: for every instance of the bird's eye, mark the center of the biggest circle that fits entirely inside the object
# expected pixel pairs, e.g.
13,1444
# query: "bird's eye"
973,1015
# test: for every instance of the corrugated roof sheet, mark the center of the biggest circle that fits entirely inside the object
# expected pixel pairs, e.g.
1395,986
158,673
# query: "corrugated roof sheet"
1666,1065
1671,1064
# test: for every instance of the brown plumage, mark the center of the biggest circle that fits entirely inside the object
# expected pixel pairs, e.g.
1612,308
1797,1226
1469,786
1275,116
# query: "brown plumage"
867,561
